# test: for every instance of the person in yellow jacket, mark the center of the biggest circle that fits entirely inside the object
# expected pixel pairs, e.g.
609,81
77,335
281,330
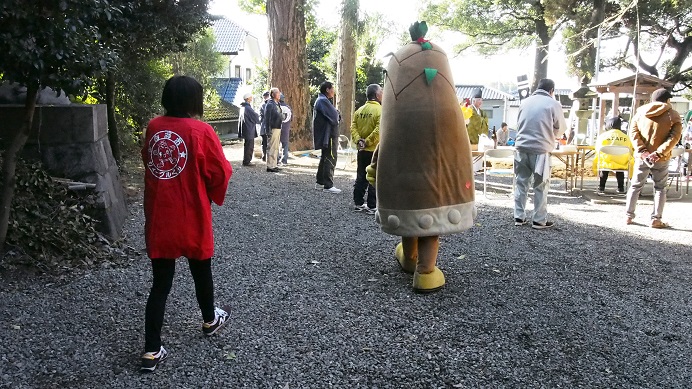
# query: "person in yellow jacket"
365,133
478,121
614,136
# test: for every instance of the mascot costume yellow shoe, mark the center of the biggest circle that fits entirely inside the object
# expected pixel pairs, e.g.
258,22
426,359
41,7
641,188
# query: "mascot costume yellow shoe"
422,168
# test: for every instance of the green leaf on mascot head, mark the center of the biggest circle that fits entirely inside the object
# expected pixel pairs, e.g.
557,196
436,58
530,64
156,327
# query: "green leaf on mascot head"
418,30
430,74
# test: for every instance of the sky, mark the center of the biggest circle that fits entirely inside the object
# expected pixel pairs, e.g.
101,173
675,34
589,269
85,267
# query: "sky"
467,68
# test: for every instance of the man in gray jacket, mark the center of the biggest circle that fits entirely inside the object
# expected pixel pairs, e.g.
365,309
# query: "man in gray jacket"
541,121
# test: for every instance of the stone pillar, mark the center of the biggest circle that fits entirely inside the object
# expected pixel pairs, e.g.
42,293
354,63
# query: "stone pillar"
72,142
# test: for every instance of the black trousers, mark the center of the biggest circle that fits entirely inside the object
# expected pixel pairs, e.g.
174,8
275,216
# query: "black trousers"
325,170
362,184
163,270
248,150
265,144
620,176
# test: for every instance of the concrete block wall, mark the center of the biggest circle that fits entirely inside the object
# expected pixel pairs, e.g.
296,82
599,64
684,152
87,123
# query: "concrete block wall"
72,142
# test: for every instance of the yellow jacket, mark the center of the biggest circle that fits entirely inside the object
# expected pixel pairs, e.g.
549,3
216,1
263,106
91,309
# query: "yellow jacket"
478,124
366,124
613,138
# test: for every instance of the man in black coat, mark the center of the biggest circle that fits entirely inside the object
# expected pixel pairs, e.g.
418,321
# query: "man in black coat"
247,128
273,117
263,125
325,126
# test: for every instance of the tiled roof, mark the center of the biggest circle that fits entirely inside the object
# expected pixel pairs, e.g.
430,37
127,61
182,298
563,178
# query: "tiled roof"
227,88
230,37
222,112
466,92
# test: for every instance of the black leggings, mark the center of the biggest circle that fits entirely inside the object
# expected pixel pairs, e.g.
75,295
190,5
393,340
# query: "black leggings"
163,270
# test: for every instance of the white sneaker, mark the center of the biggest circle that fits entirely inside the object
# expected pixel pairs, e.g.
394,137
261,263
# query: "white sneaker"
370,211
152,359
220,319
360,208
318,186
333,189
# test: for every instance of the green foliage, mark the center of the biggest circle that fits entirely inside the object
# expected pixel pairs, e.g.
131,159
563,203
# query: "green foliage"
491,26
253,6
52,225
321,46
199,59
55,43
321,56
138,95
369,68
369,71
260,81
202,62
140,81
153,29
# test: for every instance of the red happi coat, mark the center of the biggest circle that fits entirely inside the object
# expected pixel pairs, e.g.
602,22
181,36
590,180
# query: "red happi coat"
185,170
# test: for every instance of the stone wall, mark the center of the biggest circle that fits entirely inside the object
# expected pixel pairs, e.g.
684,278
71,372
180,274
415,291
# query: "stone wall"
72,142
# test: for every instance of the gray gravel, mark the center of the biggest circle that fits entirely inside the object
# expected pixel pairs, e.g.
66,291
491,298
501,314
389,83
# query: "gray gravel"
318,301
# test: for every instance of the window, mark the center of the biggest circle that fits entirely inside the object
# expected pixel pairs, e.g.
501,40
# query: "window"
237,71
489,113
248,75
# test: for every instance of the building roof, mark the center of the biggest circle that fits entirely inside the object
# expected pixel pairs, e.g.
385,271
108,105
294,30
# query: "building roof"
641,79
221,113
227,88
230,37
466,91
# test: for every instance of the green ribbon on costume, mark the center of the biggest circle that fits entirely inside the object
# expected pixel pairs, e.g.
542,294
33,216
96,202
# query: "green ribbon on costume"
430,74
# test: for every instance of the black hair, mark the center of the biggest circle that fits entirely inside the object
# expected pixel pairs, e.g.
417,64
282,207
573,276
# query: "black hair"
614,122
324,86
182,97
546,84
371,91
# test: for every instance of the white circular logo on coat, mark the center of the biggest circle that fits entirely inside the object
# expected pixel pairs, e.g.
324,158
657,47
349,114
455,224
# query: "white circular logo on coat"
286,113
167,155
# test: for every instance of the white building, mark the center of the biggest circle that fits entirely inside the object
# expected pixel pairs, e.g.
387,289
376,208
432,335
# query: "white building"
242,53
495,103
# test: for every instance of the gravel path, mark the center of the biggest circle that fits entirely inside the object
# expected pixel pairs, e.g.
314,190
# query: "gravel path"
318,301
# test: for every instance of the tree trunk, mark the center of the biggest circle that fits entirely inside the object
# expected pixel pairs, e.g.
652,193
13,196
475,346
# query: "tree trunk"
540,68
346,65
113,136
288,69
591,35
682,53
9,162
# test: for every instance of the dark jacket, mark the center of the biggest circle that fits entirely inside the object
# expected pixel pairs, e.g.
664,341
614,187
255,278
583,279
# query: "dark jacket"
263,122
286,121
272,115
325,122
247,122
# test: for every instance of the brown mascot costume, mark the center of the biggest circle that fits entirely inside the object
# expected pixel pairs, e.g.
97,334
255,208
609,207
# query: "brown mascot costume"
422,169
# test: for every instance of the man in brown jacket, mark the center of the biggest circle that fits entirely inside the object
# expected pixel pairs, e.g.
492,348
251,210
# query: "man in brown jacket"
656,129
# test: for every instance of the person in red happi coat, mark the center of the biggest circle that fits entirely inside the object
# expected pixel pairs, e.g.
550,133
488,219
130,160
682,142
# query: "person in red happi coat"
185,171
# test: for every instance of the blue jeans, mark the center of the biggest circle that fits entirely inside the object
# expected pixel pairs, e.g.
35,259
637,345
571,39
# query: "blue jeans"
525,169
283,153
